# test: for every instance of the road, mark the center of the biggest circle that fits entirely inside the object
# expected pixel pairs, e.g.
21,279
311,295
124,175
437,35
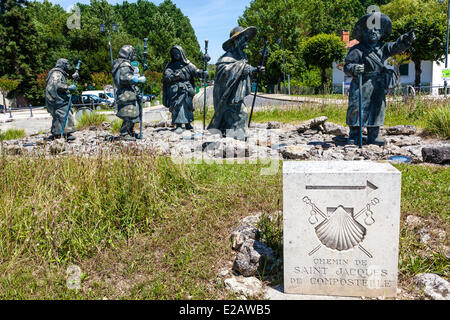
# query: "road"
264,100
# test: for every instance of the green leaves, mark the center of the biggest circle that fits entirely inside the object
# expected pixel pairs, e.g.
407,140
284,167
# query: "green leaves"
322,50
428,17
34,35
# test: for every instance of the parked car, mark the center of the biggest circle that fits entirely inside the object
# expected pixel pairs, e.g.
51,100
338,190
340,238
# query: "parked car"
90,101
101,94
149,97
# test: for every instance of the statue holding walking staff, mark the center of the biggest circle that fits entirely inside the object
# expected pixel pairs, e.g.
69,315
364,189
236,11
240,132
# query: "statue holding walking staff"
232,84
127,93
57,100
365,63
178,88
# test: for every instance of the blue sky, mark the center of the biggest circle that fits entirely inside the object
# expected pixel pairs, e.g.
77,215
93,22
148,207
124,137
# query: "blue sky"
211,19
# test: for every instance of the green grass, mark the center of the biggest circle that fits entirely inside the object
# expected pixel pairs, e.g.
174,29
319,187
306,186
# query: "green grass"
334,113
116,125
426,191
152,228
438,122
322,96
91,119
146,228
419,112
12,134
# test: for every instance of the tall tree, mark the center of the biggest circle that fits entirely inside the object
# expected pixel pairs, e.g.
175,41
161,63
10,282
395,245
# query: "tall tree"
7,85
20,50
430,22
275,19
164,25
321,51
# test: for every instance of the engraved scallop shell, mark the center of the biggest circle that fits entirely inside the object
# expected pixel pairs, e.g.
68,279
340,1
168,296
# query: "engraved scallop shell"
340,231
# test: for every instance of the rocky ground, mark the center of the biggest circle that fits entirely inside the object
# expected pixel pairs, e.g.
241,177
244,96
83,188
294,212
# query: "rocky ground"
316,139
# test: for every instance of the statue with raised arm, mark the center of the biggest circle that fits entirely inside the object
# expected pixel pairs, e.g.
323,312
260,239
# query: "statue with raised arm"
178,88
232,84
127,93
368,59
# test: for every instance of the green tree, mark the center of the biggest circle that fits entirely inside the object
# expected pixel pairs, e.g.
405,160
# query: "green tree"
164,26
429,20
321,51
275,66
275,19
20,50
6,86
330,16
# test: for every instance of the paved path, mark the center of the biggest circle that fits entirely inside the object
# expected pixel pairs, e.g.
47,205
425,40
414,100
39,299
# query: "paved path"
265,100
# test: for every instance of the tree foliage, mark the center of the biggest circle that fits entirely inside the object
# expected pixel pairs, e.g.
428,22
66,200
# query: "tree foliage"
321,51
34,35
7,85
429,20
20,49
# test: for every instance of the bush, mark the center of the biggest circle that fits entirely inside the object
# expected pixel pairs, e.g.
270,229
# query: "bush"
438,122
116,125
91,119
12,134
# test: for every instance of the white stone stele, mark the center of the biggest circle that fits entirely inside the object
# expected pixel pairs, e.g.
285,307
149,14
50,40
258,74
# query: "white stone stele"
341,228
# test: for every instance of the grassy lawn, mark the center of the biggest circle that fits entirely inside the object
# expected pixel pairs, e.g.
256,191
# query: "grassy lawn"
91,119
12,134
421,113
146,228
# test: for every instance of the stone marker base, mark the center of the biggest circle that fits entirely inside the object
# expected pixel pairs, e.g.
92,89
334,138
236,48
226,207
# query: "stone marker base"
341,228
277,293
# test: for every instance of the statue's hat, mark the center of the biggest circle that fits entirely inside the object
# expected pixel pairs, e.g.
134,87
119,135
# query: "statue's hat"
371,20
239,32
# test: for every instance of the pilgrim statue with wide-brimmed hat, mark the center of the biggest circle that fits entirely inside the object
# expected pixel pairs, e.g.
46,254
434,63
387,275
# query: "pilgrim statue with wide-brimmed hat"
232,84
368,58
178,88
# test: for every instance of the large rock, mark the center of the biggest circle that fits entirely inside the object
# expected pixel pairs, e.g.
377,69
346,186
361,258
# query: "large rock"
315,124
434,286
251,257
273,125
401,130
439,155
242,234
297,152
249,287
335,129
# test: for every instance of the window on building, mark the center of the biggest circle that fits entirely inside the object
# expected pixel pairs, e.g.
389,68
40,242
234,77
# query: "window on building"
404,70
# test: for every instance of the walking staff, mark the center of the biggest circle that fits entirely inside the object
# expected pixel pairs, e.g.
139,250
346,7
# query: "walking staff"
206,58
360,77
141,111
261,66
70,99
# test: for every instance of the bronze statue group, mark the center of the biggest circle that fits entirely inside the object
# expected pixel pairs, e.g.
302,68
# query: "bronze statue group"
365,63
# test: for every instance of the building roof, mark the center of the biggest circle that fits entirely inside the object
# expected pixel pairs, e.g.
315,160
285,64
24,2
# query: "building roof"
352,43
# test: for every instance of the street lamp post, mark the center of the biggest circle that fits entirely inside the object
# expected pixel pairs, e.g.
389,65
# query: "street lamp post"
102,30
446,51
284,66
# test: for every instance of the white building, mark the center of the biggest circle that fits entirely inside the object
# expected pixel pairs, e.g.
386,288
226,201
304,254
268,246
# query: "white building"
8,102
431,71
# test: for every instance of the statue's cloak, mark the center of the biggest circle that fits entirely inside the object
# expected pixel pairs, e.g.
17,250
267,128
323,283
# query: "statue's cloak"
232,84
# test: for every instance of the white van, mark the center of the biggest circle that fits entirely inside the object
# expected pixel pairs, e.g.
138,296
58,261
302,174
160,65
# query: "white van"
108,96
